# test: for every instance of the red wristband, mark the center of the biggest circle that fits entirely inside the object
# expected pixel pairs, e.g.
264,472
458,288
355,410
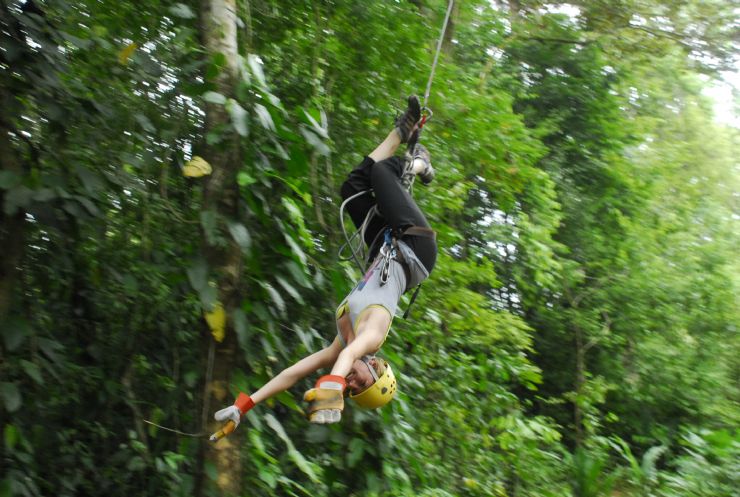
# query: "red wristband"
244,402
332,377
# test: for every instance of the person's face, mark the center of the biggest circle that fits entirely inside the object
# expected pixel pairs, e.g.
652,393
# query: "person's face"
359,377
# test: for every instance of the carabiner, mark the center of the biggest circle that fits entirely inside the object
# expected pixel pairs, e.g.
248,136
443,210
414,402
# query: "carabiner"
426,114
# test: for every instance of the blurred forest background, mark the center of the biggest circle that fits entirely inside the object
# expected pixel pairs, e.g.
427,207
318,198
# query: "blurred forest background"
579,335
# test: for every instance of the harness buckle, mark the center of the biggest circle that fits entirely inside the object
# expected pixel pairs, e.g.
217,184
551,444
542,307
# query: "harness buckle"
388,252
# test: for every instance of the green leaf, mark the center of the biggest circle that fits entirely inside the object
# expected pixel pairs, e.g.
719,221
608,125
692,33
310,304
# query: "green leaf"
33,371
356,450
245,179
182,11
209,223
275,296
135,464
214,97
264,117
296,249
240,327
315,142
10,436
290,289
19,197
299,276
90,180
14,331
208,297
294,455
316,127
268,476
239,117
145,123
8,180
11,396
88,205
198,275
77,42
255,66
241,235
44,195
51,348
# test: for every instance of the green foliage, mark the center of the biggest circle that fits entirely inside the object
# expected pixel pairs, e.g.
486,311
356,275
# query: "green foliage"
578,335
709,465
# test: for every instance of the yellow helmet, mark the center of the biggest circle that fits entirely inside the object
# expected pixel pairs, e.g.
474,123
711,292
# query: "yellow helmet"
379,393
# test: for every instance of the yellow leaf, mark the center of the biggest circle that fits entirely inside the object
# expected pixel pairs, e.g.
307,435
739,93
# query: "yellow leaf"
216,320
126,52
197,167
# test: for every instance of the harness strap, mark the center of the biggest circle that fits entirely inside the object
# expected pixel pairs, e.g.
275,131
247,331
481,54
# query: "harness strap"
419,231
411,302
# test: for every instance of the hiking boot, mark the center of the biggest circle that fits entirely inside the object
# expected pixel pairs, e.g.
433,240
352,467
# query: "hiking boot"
407,122
408,176
421,152
426,175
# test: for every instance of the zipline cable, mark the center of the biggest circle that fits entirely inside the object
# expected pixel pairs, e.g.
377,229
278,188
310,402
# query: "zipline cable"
436,55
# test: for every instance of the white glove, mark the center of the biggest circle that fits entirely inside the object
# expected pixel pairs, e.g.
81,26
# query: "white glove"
229,413
242,405
326,416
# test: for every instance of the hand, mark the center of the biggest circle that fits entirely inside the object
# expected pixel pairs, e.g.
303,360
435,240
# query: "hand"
326,400
242,405
325,405
229,413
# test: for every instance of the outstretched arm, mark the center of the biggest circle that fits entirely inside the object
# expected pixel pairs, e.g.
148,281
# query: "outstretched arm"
288,377
283,381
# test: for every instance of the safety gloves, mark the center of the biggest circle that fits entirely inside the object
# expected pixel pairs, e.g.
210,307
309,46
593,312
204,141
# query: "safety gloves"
326,400
232,415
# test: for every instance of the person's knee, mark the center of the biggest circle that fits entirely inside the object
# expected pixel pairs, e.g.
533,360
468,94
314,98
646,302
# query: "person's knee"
384,169
347,190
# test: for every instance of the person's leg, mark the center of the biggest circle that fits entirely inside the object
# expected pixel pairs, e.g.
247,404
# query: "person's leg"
361,178
387,147
399,209
358,181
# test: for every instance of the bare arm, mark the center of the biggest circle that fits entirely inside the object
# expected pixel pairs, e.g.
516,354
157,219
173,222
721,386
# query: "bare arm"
288,377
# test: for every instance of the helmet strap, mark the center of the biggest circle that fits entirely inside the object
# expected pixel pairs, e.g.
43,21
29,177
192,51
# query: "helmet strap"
366,360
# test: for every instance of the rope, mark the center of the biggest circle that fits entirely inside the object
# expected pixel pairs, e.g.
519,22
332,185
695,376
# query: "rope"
436,55
194,435
358,254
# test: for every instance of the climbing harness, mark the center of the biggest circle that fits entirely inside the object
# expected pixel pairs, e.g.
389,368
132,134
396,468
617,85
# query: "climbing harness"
357,252
388,252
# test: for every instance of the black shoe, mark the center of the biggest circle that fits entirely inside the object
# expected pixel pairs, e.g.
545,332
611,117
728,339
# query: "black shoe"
406,124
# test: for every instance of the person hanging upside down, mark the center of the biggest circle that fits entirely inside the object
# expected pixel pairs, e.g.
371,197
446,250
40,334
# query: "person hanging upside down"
402,252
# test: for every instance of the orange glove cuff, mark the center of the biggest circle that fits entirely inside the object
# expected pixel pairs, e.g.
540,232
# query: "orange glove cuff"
244,402
334,378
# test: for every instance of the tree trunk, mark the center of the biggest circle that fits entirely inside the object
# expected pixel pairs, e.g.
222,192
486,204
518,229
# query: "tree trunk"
219,35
